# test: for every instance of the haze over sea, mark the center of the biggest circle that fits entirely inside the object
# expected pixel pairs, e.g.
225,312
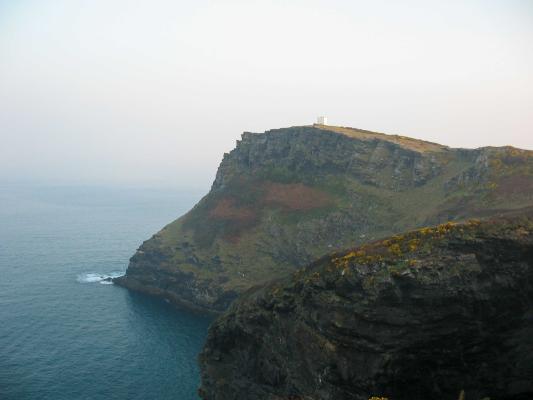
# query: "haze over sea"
65,333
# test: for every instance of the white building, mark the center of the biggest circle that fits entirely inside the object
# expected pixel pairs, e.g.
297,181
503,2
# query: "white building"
322,120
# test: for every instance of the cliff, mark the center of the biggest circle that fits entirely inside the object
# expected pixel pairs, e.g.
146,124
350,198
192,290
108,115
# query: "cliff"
421,315
288,196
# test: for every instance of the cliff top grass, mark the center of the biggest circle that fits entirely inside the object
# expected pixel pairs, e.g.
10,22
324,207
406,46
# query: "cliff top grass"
404,141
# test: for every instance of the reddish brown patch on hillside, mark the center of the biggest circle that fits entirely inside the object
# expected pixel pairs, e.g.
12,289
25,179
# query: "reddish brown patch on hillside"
227,209
295,196
515,185
236,219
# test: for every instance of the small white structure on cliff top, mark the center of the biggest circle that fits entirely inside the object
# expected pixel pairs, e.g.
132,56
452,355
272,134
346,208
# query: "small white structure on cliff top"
322,120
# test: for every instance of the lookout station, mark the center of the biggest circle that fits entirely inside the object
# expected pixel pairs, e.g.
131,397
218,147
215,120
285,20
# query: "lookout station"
322,120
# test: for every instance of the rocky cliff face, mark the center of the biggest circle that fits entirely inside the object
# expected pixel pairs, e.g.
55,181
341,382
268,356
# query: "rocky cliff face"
285,197
421,315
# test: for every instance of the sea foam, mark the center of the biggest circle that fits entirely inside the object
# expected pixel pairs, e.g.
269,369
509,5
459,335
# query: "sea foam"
103,279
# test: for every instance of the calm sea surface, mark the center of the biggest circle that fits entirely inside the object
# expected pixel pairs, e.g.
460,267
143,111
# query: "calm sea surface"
64,333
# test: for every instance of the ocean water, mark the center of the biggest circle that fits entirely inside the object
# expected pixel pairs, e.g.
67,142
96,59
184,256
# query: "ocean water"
65,333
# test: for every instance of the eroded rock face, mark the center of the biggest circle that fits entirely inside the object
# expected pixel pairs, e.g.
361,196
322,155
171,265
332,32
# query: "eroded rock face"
421,315
288,196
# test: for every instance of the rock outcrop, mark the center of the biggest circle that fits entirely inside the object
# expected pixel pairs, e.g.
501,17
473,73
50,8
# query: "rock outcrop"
288,196
421,315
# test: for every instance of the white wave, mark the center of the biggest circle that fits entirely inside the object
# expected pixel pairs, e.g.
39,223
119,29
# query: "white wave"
103,279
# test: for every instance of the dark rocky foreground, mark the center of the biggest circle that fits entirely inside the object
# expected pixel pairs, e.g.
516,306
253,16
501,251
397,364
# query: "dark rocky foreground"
421,315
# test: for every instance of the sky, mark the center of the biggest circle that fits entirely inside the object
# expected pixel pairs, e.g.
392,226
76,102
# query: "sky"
154,92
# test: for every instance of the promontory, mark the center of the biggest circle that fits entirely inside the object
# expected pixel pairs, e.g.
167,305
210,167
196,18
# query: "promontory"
286,197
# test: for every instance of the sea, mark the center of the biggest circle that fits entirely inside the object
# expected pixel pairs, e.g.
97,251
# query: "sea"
65,332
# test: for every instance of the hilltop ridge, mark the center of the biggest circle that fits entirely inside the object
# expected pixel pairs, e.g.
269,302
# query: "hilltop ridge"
404,141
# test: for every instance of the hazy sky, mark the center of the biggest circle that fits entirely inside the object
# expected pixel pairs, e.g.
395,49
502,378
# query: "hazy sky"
154,92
